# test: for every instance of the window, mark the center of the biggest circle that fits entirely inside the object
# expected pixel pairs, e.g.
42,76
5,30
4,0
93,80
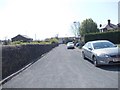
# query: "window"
100,45
89,45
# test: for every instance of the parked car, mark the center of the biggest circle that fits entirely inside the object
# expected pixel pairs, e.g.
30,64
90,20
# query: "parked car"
70,45
77,44
101,52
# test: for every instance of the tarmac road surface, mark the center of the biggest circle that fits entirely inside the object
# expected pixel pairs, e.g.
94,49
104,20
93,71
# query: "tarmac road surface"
65,68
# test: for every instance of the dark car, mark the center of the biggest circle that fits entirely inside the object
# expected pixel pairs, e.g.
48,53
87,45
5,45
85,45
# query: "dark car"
77,44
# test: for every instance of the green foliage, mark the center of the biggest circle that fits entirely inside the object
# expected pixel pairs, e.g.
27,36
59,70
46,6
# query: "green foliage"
25,43
113,36
16,42
53,40
88,26
50,41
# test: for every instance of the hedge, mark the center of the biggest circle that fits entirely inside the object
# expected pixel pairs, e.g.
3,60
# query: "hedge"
113,36
16,57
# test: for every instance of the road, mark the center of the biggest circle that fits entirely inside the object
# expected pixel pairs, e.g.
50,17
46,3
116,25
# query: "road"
63,68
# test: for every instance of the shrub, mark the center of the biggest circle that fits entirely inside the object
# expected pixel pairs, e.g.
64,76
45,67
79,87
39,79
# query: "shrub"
113,36
15,57
16,42
53,40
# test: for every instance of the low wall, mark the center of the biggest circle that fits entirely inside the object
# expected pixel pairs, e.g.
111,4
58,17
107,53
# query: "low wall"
16,57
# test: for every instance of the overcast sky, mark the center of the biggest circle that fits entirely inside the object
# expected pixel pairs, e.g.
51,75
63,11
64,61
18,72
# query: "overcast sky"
46,18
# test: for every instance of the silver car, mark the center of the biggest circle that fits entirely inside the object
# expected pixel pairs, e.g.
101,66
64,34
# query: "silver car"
101,52
70,45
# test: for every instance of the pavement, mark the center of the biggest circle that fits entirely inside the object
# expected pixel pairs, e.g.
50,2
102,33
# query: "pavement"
65,68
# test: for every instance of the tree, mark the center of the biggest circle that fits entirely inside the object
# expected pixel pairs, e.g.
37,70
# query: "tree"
75,28
88,26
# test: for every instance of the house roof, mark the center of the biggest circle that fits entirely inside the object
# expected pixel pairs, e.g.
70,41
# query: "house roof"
25,36
109,26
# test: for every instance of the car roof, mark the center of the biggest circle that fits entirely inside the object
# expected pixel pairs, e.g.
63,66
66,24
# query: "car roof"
70,42
98,41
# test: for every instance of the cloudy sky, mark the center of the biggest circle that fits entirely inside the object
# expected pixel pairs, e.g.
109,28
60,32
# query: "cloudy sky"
46,18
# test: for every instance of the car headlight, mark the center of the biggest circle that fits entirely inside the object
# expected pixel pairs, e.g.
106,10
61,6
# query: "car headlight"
104,55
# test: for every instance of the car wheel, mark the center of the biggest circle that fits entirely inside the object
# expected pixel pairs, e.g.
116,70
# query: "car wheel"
95,62
83,55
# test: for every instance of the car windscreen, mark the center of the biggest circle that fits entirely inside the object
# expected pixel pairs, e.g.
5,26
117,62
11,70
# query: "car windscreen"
70,43
100,45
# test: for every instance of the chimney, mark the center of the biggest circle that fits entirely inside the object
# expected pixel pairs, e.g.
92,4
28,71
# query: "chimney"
100,25
108,21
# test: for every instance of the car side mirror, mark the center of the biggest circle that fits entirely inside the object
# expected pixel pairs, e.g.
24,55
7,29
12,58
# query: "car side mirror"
90,48
115,45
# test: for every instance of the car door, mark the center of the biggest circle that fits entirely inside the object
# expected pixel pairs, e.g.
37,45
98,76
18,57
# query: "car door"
86,49
89,51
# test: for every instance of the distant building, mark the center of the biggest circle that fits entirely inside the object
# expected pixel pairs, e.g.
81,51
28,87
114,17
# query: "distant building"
108,27
60,40
23,38
63,40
